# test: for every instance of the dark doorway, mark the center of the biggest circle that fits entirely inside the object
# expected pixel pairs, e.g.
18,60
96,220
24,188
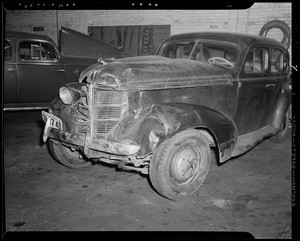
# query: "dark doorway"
134,40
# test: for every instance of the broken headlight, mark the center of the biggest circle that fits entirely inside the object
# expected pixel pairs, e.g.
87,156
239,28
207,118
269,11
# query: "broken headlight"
68,96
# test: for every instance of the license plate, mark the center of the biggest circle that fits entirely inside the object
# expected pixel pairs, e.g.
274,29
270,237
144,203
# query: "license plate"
51,121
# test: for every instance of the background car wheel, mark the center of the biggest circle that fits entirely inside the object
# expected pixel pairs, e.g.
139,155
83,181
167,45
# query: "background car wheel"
281,136
280,25
180,164
64,155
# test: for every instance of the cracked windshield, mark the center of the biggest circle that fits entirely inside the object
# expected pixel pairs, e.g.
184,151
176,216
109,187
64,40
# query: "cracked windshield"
214,53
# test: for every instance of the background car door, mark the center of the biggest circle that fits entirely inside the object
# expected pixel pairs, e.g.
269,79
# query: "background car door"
40,72
10,72
256,95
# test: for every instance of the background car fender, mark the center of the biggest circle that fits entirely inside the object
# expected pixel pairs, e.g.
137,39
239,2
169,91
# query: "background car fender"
158,123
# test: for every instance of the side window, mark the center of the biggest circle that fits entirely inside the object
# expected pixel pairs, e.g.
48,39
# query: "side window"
37,51
257,61
279,61
7,50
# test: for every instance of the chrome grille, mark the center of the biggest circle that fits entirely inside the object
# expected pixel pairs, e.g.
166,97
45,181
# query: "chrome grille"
109,112
103,127
108,98
109,107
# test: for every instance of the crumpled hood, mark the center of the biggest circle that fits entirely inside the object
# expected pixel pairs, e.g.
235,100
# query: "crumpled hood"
154,72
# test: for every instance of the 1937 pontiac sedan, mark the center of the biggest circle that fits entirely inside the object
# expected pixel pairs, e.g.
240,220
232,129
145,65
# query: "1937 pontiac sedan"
161,115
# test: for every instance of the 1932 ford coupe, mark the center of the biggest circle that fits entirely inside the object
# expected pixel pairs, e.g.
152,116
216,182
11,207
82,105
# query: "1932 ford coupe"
161,115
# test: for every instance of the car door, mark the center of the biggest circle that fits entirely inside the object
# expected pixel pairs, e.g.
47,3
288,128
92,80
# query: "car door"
40,71
10,72
256,91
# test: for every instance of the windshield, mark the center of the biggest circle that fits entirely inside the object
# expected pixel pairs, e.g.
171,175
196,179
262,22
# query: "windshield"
177,50
219,54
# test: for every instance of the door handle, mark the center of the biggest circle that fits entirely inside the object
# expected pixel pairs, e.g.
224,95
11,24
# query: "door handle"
11,70
270,85
61,70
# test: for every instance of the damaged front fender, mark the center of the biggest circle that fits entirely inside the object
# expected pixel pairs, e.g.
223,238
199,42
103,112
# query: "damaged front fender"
153,125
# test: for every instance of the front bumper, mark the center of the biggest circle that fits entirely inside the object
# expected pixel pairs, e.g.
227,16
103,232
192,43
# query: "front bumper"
88,142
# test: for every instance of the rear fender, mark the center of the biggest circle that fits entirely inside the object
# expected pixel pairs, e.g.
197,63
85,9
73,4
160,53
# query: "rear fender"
153,125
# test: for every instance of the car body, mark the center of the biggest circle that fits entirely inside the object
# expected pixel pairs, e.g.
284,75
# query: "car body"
161,115
35,68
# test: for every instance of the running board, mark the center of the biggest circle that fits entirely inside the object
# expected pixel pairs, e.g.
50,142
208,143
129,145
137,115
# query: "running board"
248,141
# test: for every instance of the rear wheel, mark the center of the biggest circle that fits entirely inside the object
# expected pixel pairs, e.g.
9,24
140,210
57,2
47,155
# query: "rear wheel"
67,157
180,165
281,136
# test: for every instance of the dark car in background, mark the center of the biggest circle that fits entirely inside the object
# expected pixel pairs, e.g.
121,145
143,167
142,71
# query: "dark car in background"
161,115
35,68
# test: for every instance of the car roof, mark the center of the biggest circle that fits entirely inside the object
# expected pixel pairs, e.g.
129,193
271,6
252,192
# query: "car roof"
240,39
25,35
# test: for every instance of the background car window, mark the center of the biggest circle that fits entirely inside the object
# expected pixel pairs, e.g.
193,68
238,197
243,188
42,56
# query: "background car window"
37,51
257,61
279,61
7,50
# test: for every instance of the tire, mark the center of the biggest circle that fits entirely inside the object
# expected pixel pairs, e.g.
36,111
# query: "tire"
180,165
281,136
286,40
65,156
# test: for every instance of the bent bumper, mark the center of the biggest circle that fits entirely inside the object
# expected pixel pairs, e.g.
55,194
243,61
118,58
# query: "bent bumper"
115,148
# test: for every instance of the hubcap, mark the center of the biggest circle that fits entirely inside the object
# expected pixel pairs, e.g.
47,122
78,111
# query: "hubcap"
186,164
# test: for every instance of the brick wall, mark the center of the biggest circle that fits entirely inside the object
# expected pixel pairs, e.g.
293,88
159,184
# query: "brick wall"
244,21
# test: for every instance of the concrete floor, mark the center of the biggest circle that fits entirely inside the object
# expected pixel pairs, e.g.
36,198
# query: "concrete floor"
250,193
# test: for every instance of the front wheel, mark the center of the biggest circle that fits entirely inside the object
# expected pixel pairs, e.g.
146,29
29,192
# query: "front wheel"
180,164
67,157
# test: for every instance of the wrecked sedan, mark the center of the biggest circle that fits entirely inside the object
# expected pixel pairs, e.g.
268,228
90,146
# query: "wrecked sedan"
35,68
162,115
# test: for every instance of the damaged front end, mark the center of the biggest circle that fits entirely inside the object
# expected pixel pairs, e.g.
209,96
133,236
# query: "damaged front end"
84,116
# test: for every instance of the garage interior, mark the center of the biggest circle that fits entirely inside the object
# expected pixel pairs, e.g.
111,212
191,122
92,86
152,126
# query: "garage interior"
250,193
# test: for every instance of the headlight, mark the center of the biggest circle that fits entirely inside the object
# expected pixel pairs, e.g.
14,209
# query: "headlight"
68,96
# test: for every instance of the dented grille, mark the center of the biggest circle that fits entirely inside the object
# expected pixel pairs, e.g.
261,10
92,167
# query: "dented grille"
103,127
109,108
